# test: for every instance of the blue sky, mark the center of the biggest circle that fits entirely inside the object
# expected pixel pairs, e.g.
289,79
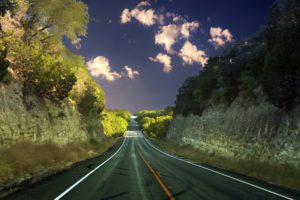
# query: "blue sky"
184,32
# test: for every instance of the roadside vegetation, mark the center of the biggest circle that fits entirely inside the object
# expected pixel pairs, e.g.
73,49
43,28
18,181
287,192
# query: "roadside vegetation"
52,78
17,164
155,122
115,122
284,174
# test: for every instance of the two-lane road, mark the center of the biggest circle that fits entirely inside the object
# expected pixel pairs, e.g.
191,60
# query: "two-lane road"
138,170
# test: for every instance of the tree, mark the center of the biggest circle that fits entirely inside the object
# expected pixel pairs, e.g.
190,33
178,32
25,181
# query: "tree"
281,80
91,103
113,123
49,77
50,20
185,103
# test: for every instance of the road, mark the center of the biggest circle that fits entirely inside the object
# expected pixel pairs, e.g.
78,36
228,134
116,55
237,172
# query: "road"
135,169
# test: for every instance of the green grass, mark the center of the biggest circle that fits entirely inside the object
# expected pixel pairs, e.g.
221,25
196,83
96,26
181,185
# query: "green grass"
280,174
32,161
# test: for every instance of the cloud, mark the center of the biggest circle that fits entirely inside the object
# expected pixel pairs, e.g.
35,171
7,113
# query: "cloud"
165,60
143,15
143,4
188,27
100,67
220,37
190,54
125,16
167,36
170,34
129,72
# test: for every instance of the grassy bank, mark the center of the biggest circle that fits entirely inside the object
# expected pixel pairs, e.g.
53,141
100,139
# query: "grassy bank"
30,162
279,174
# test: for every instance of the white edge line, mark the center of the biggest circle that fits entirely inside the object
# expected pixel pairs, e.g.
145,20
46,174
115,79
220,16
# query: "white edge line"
214,171
80,180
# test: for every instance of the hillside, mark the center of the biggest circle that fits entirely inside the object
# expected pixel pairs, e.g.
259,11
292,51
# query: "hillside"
51,109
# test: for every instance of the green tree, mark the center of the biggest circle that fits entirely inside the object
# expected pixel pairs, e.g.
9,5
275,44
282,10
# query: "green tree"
49,77
185,102
281,79
114,124
50,20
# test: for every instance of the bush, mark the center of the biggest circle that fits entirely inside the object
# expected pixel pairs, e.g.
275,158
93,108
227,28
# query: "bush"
155,122
115,122
50,78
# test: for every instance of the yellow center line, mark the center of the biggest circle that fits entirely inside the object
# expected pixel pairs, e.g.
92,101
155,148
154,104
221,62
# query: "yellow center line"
159,180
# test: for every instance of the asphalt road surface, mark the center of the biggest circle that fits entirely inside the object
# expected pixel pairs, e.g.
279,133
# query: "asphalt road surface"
136,169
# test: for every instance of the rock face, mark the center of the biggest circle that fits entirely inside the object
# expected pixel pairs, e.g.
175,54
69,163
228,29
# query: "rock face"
37,120
243,130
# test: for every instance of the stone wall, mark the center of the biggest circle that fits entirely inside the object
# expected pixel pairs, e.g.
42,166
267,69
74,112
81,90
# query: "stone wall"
243,130
35,119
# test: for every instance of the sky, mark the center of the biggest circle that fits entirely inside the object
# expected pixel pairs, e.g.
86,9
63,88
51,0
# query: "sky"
140,52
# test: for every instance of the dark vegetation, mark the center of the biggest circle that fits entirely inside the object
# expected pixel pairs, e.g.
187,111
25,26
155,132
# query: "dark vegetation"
269,62
155,123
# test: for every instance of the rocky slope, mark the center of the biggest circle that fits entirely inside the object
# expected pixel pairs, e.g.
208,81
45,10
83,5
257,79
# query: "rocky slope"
245,130
36,120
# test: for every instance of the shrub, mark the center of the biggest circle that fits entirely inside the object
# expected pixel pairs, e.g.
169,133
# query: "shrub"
115,122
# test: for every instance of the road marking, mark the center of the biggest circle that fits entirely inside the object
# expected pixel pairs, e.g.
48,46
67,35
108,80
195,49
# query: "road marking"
80,180
159,180
219,173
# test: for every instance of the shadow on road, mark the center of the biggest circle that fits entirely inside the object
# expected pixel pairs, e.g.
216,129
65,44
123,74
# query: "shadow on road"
114,196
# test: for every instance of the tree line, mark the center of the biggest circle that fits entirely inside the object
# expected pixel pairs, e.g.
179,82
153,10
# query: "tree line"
155,123
269,63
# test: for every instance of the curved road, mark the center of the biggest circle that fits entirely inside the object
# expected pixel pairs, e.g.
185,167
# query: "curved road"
136,169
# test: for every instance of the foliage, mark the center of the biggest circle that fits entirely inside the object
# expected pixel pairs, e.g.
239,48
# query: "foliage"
3,62
31,40
282,60
49,77
115,122
6,5
155,122
50,20
270,60
125,114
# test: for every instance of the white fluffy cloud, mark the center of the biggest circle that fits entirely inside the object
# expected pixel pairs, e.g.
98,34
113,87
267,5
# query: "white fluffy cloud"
167,36
100,67
170,34
190,54
145,16
165,60
125,16
188,27
129,72
220,37
143,4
